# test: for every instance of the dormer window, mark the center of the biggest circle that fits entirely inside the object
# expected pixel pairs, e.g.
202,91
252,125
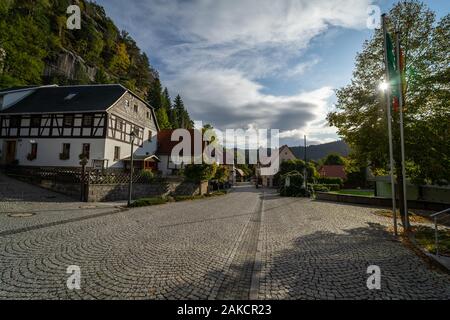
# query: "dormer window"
70,96
127,103
136,108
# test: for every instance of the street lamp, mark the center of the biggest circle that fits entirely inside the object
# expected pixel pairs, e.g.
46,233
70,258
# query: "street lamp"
130,186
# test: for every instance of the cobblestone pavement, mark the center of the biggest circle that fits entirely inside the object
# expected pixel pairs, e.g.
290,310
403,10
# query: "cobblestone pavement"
44,207
321,250
245,244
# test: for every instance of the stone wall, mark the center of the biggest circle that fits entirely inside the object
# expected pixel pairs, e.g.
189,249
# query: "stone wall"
119,192
379,202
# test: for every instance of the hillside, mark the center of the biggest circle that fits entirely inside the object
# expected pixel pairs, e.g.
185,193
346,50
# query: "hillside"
320,151
37,48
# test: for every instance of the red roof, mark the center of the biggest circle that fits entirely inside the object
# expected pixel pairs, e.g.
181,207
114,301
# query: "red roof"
165,143
333,171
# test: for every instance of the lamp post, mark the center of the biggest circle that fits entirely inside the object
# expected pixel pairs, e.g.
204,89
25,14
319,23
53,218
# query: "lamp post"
130,185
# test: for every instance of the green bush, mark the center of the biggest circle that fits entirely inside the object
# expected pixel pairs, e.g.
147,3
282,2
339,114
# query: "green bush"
144,202
147,176
322,187
199,172
319,188
295,188
329,180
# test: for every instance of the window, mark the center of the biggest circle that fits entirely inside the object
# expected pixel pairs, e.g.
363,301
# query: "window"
65,154
149,135
87,120
148,115
14,122
86,150
127,103
119,125
68,120
35,121
116,153
136,108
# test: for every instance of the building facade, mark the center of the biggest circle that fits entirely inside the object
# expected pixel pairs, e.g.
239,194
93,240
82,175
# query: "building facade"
51,126
284,154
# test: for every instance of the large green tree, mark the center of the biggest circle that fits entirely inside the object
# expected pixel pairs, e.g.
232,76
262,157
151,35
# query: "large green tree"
180,116
361,108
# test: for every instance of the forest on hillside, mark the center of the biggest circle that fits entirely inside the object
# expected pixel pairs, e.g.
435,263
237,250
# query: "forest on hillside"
37,48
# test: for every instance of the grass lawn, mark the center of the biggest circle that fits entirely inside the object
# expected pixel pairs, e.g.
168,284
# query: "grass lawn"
425,237
355,192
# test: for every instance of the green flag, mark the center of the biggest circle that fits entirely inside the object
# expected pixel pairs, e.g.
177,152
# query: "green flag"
392,67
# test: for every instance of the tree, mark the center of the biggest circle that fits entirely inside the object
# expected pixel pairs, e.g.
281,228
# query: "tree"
222,174
180,115
163,119
361,107
200,172
121,60
333,159
154,94
165,100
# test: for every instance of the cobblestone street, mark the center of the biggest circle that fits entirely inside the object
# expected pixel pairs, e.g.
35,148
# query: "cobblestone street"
247,244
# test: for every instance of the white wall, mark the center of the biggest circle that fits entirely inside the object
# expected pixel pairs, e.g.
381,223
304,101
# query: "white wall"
49,150
125,149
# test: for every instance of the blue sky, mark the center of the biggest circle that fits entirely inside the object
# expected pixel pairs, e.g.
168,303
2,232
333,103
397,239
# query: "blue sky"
254,63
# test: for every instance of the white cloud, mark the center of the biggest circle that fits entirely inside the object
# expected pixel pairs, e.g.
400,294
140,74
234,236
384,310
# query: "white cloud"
214,54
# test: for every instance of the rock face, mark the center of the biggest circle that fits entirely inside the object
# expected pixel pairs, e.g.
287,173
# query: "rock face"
70,66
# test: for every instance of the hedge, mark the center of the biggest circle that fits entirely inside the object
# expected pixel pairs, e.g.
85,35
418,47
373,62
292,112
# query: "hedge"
326,187
329,180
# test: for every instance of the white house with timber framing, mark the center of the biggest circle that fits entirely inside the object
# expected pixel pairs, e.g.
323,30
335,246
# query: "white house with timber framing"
50,126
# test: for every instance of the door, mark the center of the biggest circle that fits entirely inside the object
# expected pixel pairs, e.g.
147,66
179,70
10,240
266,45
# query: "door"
10,154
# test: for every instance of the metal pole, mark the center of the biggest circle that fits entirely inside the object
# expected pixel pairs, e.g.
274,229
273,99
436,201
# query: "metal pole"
436,236
389,121
130,185
402,136
306,170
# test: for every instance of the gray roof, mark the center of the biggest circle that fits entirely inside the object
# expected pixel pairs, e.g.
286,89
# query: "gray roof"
84,98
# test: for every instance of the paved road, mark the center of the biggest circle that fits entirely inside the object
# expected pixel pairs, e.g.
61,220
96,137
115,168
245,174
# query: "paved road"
243,245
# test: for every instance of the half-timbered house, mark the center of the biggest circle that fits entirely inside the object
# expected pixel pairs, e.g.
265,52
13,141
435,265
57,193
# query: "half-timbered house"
52,126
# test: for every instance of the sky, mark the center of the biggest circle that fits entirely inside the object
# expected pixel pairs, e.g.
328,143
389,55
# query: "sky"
259,64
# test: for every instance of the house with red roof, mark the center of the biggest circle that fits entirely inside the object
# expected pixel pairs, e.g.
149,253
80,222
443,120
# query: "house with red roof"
333,171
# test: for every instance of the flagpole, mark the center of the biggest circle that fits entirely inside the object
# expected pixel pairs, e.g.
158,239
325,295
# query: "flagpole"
402,136
389,118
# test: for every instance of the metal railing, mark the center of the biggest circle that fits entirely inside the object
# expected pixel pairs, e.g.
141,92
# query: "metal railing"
439,217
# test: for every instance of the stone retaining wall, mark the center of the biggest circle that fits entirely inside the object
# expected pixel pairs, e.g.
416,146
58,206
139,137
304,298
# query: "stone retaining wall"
379,202
118,192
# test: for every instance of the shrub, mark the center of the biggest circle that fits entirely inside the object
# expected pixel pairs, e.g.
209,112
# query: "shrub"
147,176
319,188
199,172
295,188
329,180
323,187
